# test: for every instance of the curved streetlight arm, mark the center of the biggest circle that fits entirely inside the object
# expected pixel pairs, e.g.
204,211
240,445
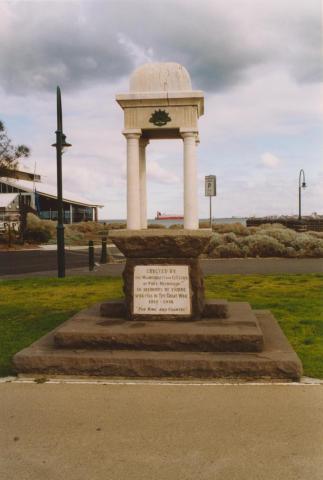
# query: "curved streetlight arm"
301,174
300,186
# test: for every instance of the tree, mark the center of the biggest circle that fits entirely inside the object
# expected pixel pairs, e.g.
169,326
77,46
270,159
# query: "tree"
9,153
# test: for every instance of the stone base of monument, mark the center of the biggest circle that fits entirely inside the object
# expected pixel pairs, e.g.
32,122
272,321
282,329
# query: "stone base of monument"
164,327
89,345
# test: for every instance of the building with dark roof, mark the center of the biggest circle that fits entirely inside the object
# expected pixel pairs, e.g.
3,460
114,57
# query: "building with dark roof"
41,198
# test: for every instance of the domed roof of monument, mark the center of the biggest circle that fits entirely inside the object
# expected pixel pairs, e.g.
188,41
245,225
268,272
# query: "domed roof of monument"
160,77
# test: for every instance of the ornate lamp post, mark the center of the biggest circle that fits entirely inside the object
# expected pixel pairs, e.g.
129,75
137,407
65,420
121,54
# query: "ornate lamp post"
301,184
60,145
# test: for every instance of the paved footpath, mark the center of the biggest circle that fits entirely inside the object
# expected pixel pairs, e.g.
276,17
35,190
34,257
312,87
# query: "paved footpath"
153,431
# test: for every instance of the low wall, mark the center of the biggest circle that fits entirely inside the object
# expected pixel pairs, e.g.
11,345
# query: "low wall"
306,224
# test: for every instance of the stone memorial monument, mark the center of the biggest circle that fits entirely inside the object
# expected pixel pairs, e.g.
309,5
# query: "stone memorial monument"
164,326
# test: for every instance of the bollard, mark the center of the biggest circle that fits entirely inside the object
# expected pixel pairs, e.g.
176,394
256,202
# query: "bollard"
91,255
9,235
103,258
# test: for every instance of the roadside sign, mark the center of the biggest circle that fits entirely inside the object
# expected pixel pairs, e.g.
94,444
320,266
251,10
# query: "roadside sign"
210,186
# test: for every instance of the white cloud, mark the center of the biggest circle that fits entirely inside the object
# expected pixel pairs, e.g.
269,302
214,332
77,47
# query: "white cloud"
84,43
139,54
158,174
257,61
270,160
270,102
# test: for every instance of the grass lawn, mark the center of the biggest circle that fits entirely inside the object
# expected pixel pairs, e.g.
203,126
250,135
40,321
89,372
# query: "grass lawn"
32,307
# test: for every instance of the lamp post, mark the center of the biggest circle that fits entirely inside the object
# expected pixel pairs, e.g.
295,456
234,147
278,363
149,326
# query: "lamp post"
301,184
60,145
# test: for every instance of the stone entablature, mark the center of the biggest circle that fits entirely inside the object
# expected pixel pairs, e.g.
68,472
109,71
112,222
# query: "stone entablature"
181,117
183,110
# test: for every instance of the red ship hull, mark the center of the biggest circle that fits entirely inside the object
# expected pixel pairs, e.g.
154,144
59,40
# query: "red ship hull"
164,216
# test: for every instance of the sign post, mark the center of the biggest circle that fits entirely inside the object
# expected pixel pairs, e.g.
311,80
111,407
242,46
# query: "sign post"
210,191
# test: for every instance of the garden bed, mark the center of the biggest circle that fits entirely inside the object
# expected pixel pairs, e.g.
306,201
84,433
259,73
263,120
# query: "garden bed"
228,240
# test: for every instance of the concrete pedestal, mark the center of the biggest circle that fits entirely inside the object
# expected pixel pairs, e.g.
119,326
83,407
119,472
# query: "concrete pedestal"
163,248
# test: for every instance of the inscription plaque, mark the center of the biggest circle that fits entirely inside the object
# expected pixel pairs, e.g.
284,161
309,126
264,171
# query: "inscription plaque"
161,290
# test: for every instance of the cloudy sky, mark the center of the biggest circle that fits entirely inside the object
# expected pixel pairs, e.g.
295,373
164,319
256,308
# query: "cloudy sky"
259,63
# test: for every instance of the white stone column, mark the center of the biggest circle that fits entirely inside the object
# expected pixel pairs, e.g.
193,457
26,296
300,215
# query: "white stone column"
133,186
143,182
191,220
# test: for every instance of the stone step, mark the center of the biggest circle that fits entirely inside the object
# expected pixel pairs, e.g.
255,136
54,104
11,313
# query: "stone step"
215,308
239,332
276,361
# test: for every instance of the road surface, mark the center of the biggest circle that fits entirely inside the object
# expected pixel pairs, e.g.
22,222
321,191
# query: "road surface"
43,262
28,261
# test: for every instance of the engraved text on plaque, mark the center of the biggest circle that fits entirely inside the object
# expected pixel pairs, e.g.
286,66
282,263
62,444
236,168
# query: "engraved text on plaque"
161,289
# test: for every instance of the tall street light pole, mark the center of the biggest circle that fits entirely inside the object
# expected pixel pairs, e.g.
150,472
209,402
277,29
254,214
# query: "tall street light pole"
60,145
301,184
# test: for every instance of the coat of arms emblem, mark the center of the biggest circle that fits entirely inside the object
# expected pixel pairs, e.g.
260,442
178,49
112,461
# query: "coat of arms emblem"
159,118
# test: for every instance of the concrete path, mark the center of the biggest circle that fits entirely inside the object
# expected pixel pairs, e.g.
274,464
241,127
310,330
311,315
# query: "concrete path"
153,431
209,267
262,265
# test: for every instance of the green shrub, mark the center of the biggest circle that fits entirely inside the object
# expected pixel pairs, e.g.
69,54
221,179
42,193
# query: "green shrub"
316,234
306,243
37,235
290,252
35,222
84,227
114,226
230,238
317,252
215,241
204,224
176,226
227,250
71,236
268,226
236,228
283,235
267,240
38,230
156,225
260,245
